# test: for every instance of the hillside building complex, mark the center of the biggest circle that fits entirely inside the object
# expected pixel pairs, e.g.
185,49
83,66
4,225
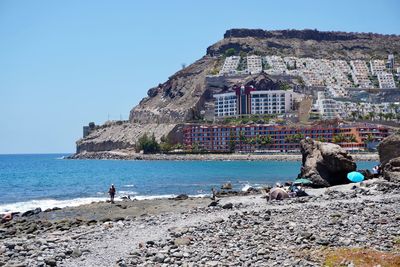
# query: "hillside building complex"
360,73
386,80
230,65
275,138
254,64
377,67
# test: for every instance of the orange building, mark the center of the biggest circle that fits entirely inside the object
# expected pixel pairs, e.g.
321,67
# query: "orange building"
276,138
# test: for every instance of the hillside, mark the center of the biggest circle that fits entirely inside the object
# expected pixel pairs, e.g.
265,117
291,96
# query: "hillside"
186,93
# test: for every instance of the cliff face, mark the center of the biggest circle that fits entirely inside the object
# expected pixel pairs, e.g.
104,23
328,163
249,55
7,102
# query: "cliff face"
181,98
117,136
308,43
178,99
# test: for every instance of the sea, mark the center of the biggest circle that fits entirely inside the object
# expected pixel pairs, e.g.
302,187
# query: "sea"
49,180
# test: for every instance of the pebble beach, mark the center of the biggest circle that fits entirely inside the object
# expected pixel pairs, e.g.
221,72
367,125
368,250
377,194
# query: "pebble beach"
244,230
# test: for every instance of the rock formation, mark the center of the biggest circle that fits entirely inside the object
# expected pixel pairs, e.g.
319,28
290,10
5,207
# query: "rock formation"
389,148
307,43
389,156
325,164
188,93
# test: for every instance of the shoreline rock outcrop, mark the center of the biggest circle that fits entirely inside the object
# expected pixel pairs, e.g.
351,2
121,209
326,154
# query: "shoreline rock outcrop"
325,164
389,156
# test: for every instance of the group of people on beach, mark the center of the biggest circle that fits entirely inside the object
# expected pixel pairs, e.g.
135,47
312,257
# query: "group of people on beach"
376,170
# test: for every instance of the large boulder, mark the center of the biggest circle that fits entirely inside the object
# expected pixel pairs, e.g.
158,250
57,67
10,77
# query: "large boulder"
389,156
389,148
391,170
325,164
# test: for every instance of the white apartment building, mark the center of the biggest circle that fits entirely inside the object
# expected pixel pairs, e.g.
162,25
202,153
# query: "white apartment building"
275,64
328,108
225,104
230,65
360,73
386,80
271,102
377,66
254,64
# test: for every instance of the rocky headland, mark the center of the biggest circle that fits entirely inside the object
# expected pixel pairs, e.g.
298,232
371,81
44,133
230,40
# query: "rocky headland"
187,94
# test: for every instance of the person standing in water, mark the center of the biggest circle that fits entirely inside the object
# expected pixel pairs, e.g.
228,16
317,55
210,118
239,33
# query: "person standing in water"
111,192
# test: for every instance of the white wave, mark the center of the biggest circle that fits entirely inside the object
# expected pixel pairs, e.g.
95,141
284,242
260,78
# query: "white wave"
167,196
47,204
126,193
246,187
52,203
129,185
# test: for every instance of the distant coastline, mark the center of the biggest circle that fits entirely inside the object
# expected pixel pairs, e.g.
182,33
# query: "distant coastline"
129,155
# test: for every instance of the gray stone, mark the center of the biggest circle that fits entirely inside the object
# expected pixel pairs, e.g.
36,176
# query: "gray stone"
325,164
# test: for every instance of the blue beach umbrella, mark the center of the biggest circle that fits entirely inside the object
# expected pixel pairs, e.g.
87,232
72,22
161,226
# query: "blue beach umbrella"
355,177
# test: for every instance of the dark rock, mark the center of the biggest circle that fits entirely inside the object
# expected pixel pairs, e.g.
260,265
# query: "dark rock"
32,228
389,148
213,204
325,164
51,262
181,197
105,220
227,206
91,222
37,211
28,213
391,171
367,174
227,186
150,243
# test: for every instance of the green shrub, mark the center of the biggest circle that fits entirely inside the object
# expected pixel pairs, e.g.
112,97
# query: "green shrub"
148,144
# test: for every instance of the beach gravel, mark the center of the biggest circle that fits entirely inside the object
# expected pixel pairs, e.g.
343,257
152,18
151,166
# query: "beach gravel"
253,232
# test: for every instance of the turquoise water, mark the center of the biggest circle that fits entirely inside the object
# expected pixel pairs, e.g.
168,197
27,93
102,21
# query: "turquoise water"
29,181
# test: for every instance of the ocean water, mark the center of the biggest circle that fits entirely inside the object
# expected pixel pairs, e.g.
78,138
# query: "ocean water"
46,181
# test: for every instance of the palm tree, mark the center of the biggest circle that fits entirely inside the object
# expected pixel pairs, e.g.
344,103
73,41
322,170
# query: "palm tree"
371,114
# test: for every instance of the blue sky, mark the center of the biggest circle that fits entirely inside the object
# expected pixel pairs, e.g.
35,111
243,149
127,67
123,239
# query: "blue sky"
66,63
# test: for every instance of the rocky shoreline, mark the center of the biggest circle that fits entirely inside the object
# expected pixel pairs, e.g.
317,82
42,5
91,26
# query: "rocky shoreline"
129,155
239,231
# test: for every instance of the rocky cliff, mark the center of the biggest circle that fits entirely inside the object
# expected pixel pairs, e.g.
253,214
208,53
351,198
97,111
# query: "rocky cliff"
308,43
186,93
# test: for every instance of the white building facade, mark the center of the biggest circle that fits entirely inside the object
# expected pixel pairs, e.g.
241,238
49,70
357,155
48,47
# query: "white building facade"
230,65
254,64
386,80
271,102
225,104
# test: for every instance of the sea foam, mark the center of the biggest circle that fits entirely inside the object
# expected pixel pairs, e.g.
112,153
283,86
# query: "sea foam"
47,204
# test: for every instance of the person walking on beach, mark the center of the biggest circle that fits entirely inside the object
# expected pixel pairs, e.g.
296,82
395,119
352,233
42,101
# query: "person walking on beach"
111,192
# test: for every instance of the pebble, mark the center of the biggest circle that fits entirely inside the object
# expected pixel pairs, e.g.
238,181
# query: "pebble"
266,233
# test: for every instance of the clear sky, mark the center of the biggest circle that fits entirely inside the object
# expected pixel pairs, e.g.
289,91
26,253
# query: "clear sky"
66,63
